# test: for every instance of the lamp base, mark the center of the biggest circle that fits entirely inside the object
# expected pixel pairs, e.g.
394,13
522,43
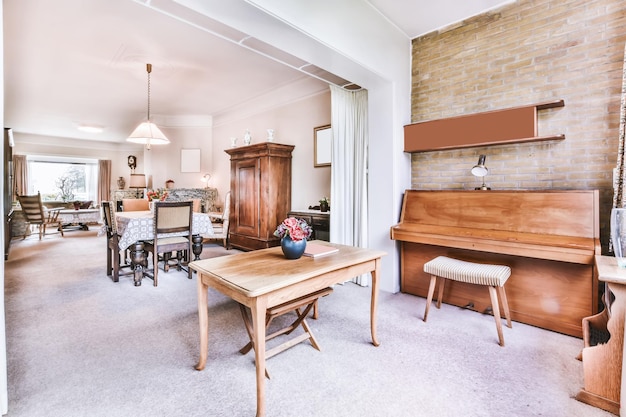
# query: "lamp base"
483,187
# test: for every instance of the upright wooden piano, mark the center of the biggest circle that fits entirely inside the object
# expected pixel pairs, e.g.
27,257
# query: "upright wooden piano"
548,238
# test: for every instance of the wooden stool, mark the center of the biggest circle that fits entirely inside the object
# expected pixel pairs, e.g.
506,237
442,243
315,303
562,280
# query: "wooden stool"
307,301
493,276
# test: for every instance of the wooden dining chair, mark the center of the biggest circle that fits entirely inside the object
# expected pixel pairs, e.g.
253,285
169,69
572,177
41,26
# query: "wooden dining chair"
36,214
171,217
114,255
135,204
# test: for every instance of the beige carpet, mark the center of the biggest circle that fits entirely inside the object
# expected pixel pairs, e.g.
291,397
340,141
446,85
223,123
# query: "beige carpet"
81,345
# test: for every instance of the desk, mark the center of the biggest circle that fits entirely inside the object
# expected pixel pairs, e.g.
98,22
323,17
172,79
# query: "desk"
136,226
604,381
265,278
80,217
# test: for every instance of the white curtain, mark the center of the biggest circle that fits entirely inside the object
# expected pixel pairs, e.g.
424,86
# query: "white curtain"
618,175
348,191
618,195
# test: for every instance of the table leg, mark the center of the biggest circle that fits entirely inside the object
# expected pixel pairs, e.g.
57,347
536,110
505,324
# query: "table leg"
196,246
138,260
374,304
203,318
259,310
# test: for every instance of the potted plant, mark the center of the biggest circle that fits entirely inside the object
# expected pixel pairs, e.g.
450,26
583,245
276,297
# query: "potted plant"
324,206
293,234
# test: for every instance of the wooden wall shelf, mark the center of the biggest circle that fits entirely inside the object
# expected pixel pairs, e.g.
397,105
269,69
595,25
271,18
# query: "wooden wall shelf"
498,127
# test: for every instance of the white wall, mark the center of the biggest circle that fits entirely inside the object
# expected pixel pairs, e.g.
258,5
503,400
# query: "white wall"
4,396
26,144
353,41
164,162
293,124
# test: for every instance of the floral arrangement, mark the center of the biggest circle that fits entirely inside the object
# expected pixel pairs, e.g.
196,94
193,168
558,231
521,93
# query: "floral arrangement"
297,229
158,194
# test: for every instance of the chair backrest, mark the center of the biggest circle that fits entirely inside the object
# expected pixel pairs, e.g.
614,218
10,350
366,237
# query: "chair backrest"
107,216
197,207
226,215
32,208
172,216
226,207
135,204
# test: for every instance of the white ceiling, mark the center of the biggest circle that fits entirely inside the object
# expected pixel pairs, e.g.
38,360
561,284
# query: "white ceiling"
73,62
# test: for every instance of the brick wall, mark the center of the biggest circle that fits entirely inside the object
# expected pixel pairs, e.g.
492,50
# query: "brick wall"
526,53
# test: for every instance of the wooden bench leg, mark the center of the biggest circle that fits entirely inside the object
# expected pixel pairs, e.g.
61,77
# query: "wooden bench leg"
431,290
496,312
505,306
442,283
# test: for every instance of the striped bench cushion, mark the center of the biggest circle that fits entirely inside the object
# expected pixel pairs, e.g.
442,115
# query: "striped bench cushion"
473,273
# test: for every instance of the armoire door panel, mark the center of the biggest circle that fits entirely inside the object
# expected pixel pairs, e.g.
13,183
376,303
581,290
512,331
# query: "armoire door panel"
247,198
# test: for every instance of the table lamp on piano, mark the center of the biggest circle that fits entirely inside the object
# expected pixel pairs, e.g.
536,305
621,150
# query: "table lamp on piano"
480,170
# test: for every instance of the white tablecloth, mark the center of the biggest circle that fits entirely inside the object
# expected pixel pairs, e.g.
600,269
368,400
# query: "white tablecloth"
80,216
139,225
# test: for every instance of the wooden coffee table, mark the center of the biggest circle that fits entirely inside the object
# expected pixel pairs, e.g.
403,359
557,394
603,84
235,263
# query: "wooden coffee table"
263,279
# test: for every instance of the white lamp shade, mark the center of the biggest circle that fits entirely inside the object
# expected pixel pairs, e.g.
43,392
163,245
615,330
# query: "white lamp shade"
480,170
137,181
148,133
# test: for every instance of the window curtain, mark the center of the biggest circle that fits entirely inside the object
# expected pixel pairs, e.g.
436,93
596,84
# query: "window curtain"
348,191
618,192
20,176
104,180
618,174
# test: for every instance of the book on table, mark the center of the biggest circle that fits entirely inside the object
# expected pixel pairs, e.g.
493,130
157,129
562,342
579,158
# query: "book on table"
315,250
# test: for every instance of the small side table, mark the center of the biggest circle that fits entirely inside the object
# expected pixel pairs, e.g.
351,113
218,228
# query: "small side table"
79,217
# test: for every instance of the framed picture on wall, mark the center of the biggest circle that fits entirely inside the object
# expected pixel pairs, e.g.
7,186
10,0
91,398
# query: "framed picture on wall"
322,146
190,160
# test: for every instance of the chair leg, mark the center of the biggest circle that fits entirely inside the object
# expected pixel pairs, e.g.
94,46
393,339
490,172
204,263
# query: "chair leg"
155,267
109,261
431,290
495,307
116,265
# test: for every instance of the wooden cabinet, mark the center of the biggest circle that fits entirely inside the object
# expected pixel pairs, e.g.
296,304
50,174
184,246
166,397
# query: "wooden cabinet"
260,185
319,222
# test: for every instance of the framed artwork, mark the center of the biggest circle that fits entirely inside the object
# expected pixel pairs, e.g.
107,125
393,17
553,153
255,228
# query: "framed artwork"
322,146
190,160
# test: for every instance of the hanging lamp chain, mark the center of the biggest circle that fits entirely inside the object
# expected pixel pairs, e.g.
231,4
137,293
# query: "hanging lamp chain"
149,70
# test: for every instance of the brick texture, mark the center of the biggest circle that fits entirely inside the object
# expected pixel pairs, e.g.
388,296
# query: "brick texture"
521,54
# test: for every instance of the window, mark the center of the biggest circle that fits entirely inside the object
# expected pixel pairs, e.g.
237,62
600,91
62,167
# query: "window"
62,178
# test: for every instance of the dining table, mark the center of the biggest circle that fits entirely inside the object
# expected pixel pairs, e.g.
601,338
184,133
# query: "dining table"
135,227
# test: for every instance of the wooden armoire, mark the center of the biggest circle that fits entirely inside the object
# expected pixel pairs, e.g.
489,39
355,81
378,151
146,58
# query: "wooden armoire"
260,185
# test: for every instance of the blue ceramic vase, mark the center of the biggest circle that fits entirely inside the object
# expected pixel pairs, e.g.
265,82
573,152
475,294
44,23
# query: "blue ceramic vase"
292,249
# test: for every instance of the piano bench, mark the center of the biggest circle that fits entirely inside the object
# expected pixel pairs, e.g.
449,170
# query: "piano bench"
492,276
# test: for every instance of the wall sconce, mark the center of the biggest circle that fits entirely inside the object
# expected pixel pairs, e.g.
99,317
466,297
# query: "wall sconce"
480,170
205,178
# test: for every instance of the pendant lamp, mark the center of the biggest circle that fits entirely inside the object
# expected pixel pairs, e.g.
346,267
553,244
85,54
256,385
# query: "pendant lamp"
147,133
